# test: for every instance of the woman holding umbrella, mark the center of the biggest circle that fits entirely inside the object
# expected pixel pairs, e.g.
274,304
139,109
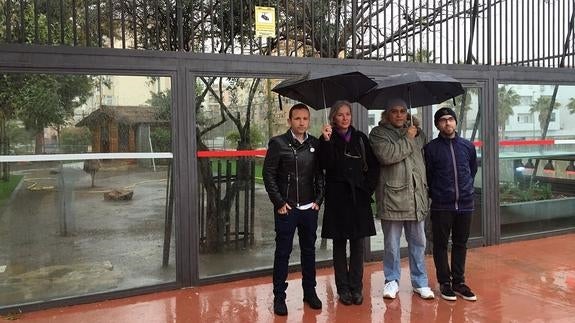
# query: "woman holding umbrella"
351,171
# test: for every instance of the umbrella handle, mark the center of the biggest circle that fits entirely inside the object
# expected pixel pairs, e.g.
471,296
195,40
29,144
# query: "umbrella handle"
324,104
409,99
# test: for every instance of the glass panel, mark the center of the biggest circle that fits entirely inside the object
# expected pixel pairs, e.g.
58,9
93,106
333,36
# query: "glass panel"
84,185
468,129
236,119
536,156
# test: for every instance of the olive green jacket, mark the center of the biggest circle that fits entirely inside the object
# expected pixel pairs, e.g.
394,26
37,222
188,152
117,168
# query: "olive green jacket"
401,192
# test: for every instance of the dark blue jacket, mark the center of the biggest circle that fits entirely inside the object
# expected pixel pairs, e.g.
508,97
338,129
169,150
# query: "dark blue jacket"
451,167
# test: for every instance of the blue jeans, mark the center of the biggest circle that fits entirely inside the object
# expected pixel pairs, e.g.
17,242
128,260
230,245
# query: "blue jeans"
415,236
285,226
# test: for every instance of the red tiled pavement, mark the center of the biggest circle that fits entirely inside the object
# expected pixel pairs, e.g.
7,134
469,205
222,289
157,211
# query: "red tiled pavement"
530,281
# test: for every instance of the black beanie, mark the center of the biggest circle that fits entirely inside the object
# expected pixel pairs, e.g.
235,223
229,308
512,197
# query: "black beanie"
443,112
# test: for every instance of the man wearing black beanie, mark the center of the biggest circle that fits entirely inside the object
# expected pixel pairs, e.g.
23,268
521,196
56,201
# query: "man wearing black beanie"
444,112
451,165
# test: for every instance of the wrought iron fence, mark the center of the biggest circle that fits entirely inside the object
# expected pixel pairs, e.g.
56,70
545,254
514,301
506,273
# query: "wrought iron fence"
491,32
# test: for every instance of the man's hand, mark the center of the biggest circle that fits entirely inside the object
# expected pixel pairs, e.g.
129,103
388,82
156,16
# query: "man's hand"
411,132
284,209
315,207
415,121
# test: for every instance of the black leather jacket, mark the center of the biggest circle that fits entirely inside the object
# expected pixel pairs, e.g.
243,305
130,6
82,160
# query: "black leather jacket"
291,171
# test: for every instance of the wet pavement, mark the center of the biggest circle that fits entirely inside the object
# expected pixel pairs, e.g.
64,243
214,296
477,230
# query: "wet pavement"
528,281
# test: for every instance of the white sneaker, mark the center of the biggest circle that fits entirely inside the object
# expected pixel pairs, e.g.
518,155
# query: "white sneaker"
390,290
424,292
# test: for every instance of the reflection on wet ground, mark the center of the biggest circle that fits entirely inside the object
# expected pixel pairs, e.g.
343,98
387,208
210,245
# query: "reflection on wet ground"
517,282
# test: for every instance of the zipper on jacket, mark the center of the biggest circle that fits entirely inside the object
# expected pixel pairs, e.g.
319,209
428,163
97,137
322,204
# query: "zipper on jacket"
456,182
296,176
287,189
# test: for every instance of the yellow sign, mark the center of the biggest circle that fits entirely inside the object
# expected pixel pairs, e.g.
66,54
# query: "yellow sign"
265,22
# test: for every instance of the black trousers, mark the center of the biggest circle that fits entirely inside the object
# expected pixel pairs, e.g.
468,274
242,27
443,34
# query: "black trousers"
285,225
348,277
444,223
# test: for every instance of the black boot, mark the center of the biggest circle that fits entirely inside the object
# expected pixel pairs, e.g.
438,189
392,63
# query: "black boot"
345,298
357,298
280,307
310,297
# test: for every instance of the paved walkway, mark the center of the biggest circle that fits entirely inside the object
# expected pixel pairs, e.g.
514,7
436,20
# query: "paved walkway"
530,281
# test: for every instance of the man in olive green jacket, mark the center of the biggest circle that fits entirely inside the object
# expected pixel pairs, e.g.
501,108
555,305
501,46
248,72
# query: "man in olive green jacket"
402,201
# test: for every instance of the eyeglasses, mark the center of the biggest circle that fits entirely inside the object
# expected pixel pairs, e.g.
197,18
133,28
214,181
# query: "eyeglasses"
349,154
450,119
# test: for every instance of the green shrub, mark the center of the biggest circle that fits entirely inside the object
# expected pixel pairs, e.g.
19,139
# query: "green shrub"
7,187
161,139
512,192
256,138
75,140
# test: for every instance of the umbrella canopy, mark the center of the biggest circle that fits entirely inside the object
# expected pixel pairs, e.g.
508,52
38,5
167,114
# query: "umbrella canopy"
321,90
415,88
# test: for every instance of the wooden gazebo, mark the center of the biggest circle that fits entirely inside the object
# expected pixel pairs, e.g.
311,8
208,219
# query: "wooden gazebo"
116,128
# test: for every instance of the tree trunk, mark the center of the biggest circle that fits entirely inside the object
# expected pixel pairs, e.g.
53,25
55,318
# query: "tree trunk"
39,147
4,150
93,175
210,243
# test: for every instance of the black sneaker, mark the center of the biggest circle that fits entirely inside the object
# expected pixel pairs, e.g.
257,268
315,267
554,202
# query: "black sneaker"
357,298
280,307
345,298
464,291
447,293
312,300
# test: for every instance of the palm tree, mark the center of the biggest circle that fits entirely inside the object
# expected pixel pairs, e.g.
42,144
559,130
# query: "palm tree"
507,98
542,106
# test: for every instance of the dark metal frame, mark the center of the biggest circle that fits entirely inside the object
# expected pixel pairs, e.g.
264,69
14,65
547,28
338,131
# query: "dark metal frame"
183,68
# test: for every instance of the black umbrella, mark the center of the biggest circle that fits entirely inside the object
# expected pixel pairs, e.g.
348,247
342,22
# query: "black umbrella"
415,88
321,90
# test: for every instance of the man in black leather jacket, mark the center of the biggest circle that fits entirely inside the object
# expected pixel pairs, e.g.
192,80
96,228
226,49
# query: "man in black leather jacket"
295,185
